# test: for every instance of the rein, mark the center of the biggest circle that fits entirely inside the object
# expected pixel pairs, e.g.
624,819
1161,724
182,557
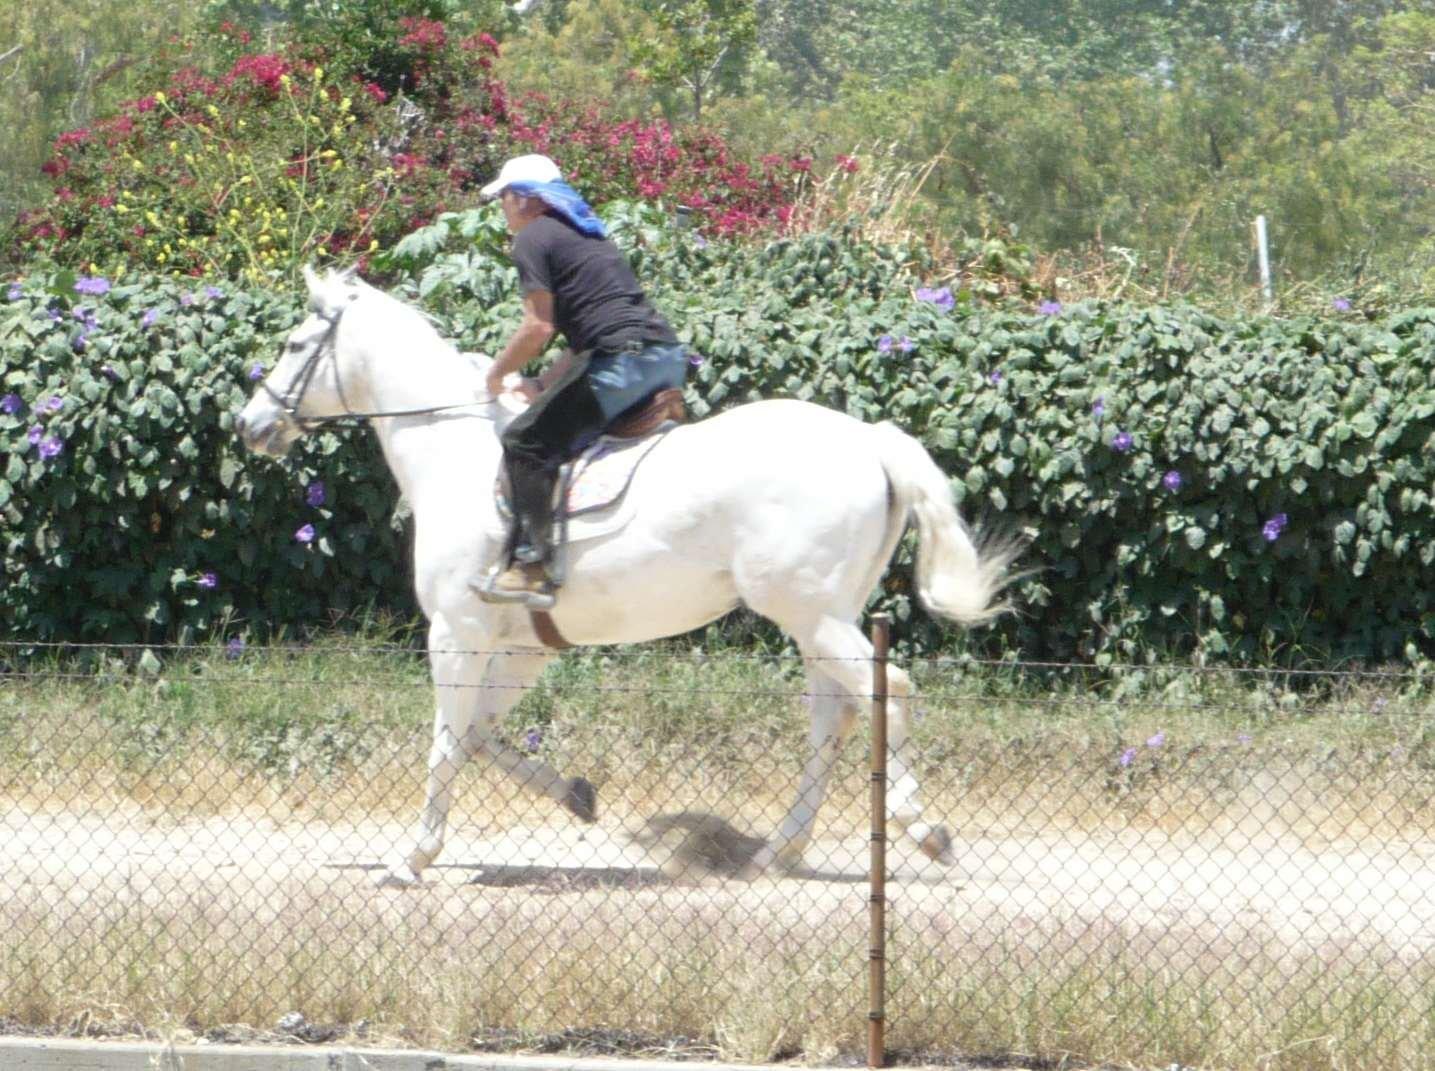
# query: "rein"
301,382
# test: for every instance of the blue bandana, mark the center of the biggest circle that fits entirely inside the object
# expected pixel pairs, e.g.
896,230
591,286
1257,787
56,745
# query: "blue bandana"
566,201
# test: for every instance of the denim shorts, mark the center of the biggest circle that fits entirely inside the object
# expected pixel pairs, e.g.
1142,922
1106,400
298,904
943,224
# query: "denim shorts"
621,380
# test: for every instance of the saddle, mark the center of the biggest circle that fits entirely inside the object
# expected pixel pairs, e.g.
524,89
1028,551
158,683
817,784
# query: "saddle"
597,479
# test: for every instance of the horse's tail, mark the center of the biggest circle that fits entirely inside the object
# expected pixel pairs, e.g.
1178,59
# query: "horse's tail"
958,577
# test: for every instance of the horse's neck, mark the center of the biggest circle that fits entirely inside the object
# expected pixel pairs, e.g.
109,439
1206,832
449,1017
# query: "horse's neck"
429,453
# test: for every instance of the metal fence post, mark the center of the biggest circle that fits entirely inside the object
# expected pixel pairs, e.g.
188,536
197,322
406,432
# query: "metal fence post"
877,878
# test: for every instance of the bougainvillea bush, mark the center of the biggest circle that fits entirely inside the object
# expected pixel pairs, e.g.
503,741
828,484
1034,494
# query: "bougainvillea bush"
246,164
1250,491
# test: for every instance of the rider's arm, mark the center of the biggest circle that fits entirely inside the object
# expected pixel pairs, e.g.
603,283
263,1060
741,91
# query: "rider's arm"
528,341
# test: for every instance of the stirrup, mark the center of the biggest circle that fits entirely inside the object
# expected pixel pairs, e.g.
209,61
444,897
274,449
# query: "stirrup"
532,600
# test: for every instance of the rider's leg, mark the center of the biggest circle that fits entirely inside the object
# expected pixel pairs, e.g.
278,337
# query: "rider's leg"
535,445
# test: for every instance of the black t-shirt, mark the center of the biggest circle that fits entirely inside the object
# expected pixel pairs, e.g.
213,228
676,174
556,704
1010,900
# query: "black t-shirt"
597,302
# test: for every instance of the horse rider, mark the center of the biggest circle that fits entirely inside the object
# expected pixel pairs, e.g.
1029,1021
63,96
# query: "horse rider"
620,350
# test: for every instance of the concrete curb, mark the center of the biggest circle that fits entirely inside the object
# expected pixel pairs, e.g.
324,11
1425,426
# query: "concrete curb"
67,1054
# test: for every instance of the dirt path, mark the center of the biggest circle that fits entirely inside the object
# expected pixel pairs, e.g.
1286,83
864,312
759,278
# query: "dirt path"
1306,899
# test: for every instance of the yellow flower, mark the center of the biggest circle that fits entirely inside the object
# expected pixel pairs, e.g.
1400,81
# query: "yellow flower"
345,104
159,97
121,209
212,110
318,73
373,245
137,165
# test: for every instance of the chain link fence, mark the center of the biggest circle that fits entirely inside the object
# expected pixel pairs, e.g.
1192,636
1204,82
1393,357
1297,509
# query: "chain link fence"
1153,866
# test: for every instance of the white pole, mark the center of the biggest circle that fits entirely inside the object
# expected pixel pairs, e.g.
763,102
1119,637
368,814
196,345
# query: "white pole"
1264,255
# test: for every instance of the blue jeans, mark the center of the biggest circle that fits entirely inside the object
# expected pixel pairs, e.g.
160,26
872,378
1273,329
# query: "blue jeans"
621,380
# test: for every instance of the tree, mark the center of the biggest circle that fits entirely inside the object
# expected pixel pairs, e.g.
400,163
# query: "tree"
700,45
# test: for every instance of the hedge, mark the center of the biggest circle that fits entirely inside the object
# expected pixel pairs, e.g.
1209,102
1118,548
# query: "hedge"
1249,491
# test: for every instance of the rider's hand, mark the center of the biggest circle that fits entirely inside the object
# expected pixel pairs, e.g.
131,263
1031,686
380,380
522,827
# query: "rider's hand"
528,389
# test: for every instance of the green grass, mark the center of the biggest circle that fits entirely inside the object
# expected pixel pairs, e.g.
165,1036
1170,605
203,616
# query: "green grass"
336,732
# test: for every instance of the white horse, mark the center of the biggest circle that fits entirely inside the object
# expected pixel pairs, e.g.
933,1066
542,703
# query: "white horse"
788,508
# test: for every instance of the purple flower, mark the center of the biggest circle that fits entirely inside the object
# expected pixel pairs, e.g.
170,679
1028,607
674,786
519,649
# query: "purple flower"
1098,408
1341,304
234,648
1122,442
1243,738
314,493
109,371
906,345
150,316
305,534
208,581
1157,740
54,315
11,404
1272,529
1049,308
213,292
256,373
1127,757
695,359
700,241
78,344
15,292
994,376
532,740
186,299
940,297
53,404
52,446
35,434
1171,481
884,344
93,285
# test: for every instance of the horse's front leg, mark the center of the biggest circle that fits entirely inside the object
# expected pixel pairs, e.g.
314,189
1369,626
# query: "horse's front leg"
457,671
509,676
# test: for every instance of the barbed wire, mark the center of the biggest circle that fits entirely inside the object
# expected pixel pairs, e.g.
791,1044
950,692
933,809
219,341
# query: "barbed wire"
655,652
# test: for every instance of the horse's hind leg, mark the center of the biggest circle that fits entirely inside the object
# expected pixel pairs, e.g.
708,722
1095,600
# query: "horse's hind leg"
838,650
832,716
903,805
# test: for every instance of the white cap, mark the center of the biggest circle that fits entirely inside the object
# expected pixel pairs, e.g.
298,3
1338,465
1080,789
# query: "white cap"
535,167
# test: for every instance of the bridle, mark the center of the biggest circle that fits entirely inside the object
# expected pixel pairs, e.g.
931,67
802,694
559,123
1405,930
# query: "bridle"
293,397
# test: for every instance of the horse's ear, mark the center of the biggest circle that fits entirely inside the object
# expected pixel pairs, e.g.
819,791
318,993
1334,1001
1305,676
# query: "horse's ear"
347,275
312,281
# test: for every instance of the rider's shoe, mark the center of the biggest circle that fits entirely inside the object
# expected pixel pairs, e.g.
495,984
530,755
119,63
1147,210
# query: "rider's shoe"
524,582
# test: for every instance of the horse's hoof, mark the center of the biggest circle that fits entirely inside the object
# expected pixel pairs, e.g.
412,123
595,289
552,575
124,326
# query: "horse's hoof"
582,800
399,877
937,846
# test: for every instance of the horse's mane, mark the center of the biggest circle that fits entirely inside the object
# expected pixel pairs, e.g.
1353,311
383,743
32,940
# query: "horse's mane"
333,292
